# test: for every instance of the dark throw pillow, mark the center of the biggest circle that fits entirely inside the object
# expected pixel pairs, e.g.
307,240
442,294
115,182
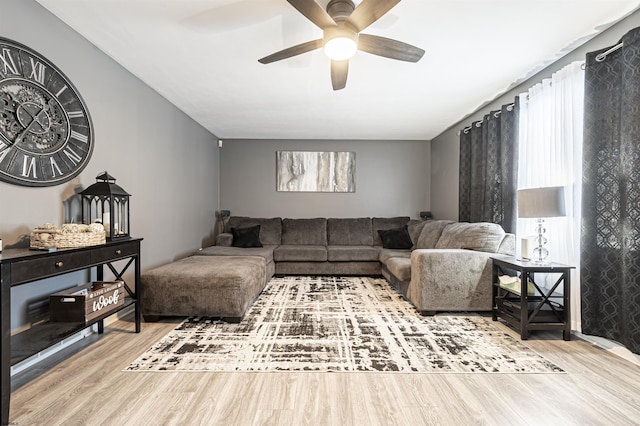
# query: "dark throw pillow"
396,238
246,237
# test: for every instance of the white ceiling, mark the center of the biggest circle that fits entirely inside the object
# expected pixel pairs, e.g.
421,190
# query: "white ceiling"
202,55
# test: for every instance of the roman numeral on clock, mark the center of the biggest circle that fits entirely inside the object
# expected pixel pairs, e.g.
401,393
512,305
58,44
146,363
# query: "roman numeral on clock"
79,136
75,114
8,65
29,167
54,167
61,90
37,71
72,155
4,149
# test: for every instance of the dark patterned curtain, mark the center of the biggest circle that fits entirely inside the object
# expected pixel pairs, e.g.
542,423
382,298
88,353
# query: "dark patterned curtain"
489,169
610,245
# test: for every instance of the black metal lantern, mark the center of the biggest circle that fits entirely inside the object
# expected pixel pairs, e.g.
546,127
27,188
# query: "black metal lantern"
107,203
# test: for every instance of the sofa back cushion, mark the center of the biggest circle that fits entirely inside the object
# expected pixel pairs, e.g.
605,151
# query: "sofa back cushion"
414,227
386,223
350,232
508,245
480,236
431,233
270,229
304,231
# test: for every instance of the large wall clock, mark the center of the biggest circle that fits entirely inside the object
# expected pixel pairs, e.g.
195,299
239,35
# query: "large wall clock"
46,134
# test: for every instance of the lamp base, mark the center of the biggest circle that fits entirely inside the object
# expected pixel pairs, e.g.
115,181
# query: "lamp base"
540,253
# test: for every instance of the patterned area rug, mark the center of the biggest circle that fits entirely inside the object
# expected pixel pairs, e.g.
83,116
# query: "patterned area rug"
340,324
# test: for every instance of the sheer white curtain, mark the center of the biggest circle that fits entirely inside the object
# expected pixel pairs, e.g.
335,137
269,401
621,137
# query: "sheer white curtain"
550,154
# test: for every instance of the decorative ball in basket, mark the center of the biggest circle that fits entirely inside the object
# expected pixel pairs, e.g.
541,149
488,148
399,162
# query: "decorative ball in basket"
70,235
107,203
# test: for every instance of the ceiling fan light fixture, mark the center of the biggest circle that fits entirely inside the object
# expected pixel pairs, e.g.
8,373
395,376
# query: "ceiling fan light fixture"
340,44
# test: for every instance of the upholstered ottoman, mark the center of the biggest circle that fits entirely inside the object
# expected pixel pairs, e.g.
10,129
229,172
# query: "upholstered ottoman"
211,286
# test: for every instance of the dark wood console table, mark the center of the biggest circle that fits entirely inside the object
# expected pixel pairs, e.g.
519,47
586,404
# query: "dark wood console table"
22,266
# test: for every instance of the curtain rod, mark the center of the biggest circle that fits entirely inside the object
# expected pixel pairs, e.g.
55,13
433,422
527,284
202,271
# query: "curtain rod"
479,123
468,128
602,56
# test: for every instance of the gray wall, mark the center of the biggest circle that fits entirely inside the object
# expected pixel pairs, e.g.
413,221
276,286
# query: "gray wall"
164,159
392,178
445,147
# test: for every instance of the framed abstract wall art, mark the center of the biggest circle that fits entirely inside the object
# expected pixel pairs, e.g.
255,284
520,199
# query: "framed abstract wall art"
300,171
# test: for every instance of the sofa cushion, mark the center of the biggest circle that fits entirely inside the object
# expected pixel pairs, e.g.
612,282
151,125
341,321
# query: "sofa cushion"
304,231
266,252
224,239
400,267
386,254
508,245
395,238
362,253
329,268
270,229
300,253
246,237
480,236
386,223
349,232
430,234
414,227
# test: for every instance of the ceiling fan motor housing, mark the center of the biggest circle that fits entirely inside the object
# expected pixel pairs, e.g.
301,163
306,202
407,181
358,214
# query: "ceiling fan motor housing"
340,42
340,10
342,32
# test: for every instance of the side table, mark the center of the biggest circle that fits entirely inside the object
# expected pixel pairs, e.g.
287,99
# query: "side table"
532,307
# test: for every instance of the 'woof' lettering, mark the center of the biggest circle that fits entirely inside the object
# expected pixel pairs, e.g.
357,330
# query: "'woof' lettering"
103,302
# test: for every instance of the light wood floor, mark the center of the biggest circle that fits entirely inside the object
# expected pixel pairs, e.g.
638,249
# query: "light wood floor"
84,385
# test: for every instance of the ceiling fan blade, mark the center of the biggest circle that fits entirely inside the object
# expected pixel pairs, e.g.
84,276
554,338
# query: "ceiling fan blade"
368,12
389,48
339,72
292,51
314,12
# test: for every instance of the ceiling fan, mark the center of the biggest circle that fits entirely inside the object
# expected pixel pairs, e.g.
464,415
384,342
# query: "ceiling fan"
342,23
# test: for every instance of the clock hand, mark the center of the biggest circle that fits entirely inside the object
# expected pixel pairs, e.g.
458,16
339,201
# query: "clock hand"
4,140
28,128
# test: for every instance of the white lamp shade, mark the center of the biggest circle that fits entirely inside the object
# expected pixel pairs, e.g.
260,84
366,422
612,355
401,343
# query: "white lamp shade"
541,202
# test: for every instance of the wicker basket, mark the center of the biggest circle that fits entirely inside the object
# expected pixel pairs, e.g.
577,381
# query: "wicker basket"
69,236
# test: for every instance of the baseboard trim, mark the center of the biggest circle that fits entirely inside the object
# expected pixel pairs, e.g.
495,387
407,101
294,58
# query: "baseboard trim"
610,346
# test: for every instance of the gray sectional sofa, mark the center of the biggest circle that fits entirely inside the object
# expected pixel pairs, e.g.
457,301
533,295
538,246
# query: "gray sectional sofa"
437,265
445,268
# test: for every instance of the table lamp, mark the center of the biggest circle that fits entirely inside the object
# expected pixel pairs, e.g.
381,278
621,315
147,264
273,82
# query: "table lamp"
540,203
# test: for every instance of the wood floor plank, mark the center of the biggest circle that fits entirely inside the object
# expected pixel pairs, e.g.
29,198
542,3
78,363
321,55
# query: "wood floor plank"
85,385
